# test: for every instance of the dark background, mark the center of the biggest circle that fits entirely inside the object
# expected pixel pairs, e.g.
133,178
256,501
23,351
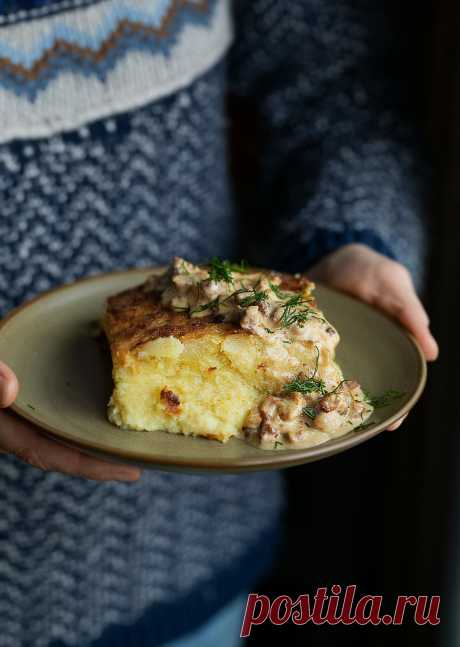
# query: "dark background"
384,515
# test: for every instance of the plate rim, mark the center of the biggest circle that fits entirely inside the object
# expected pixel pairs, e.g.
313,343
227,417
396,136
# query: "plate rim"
267,460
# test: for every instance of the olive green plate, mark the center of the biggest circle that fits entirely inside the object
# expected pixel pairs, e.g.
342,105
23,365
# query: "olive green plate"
65,379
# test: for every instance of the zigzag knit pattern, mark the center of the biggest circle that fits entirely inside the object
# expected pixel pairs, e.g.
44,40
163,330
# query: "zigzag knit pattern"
79,556
99,198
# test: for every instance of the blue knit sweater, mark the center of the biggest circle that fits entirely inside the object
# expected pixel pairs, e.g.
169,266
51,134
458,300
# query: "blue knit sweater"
113,153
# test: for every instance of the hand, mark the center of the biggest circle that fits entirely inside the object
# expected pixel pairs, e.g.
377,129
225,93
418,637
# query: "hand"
22,439
381,282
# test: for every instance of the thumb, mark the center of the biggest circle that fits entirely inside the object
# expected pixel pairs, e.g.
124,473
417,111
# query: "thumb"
9,386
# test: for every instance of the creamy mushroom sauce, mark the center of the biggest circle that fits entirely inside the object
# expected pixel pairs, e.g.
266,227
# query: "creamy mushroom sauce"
299,420
253,299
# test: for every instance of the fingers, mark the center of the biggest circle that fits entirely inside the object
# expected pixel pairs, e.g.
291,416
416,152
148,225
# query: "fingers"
22,440
411,313
398,297
397,424
412,319
384,283
9,386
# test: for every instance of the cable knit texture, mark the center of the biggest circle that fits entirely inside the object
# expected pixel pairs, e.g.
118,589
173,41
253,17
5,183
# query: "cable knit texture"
128,565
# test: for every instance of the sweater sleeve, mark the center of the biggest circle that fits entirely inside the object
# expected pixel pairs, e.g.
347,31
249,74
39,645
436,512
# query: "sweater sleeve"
340,158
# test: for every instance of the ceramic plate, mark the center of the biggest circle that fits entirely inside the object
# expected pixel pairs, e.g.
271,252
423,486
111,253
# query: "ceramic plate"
65,379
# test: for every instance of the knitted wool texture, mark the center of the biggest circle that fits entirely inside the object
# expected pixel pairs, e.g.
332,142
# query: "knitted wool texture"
135,187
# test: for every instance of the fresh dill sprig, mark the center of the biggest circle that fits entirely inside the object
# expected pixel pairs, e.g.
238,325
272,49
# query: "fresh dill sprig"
317,361
308,385
295,311
309,412
305,385
278,292
254,298
278,444
206,306
221,270
383,400
234,294
337,387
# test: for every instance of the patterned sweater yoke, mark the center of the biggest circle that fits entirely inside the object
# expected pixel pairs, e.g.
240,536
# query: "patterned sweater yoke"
65,63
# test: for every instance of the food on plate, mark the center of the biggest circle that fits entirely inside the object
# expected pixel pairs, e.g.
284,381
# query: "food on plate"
223,350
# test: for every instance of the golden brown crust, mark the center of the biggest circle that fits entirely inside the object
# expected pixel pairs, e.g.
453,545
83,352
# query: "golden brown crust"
135,317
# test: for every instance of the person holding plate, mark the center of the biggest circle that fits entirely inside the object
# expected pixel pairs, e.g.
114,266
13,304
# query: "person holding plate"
113,153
